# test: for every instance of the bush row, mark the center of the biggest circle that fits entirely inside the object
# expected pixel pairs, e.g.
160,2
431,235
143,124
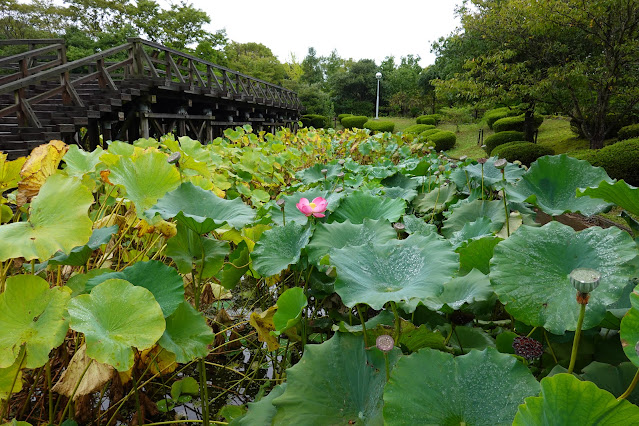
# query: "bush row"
493,115
418,128
619,160
628,132
526,152
514,123
501,138
380,126
431,119
314,120
354,121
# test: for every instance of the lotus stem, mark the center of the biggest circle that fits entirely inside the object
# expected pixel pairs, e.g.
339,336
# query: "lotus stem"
398,325
361,318
387,366
137,398
575,342
482,181
48,374
75,389
552,352
31,390
631,388
204,393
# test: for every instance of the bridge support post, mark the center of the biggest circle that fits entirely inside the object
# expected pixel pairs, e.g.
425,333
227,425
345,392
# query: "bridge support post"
144,121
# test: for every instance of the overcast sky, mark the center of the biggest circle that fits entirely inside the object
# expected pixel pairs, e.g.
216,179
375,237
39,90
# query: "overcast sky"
358,29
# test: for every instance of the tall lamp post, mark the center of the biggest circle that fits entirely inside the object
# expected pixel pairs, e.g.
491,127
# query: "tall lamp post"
378,76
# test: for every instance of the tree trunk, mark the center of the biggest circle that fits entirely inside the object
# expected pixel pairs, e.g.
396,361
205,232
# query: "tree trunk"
529,125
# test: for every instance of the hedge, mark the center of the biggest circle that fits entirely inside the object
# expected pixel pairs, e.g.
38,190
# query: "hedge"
426,119
355,121
628,132
418,128
427,133
341,116
314,120
501,138
380,126
493,115
514,123
526,152
443,140
621,160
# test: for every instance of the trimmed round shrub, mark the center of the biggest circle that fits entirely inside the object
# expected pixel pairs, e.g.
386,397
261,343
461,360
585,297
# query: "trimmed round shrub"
426,119
418,128
514,123
526,152
443,140
628,132
380,126
354,121
314,120
620,160
590,155
427,133
493,115
501,138
341,116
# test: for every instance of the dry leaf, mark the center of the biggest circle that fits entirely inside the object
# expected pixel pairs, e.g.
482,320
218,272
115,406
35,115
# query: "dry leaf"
95,377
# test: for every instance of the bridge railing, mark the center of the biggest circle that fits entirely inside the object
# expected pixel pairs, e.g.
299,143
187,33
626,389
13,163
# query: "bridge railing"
158,61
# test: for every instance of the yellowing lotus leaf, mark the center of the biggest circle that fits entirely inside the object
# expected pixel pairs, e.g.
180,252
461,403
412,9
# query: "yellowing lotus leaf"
58,220
159,360
10,172
41,163
263,323
96,376
11,378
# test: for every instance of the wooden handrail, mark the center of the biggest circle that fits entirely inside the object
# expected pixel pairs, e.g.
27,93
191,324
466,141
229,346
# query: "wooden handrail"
17,42
29,54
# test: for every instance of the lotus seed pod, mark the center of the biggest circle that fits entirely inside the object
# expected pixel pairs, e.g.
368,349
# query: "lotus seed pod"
637,348
584,280
528,348
174,158
501,163
482,160
453,166
339,189
324,171
281,202
385,343
399,226
341,162
463,158
340,175
442,168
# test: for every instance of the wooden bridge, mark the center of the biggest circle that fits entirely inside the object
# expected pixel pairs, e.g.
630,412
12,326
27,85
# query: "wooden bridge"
138,89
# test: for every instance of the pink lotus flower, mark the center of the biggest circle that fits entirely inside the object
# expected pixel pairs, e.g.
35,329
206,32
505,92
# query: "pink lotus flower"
317,207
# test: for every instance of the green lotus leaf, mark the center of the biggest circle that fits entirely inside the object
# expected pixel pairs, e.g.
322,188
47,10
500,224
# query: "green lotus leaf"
58,220
492,174
336,382
279,247
465,338
185,386
619,193
187,335
472,230
236,267
201,210
80,162
11,377
397,192
612,378
630,328
77,283
399,270
294,215
469,212
188,249
332,236
437,199
161,280
551,184
477,254
530,273
34,315
263,411
114,317
146,178
480,388
314,174
361,205
78,256
417,225
289,309
473,287
565,400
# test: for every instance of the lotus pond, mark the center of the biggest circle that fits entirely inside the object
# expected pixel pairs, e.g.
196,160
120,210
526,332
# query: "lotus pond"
314,278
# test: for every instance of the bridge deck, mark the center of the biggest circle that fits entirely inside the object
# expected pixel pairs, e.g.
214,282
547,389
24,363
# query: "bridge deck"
138,89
